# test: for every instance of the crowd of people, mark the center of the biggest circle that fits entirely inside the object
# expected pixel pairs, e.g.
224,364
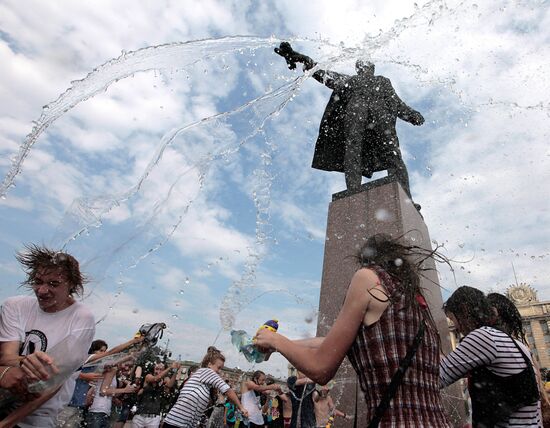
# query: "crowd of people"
385,328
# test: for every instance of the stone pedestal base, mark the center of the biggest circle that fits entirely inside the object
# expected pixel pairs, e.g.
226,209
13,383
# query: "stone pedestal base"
381,207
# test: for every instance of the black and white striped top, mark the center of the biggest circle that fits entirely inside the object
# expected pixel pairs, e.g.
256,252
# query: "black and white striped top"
194,397
495,350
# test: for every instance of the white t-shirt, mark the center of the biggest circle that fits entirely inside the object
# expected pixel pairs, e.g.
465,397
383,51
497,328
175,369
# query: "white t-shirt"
22,320
102,404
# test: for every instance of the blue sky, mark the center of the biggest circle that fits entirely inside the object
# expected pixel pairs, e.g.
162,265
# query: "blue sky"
225,206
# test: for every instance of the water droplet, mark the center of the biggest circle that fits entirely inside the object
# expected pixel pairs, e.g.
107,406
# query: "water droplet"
135,310
175,316
398,262
181,291
382,214
187,280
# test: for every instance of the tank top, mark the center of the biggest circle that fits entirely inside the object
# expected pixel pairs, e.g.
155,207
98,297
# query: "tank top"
376,353
150,400
251,403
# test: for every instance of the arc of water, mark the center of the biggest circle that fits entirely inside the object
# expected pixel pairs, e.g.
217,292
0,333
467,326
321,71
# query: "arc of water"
161,57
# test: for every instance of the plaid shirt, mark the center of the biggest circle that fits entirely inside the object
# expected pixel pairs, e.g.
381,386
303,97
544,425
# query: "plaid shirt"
375,356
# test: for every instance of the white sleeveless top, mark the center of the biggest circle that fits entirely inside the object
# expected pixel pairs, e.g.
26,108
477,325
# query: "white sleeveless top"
252,404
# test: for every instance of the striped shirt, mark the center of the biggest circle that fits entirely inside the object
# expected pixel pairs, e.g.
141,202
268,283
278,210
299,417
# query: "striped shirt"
194,397
494,350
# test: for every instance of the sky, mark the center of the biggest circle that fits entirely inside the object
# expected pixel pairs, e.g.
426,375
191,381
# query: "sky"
173,159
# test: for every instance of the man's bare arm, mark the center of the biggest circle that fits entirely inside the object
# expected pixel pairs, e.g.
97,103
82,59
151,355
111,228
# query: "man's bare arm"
9,353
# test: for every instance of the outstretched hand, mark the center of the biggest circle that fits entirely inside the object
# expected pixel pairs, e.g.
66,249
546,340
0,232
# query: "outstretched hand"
292,57
286,51
416,118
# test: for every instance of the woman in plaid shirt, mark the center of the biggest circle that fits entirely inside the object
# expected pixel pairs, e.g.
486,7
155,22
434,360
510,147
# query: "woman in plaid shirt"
381,315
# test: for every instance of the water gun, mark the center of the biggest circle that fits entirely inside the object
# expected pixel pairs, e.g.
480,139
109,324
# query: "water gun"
271,325
245,344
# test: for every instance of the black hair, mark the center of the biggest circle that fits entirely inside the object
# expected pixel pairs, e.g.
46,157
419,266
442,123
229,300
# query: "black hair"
97,345
508,316
470,307
256,375
403,262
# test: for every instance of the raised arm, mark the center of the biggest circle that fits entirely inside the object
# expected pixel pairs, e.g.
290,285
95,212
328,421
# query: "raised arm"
153,379
115,350
320,364
250,385
331,79
174,376
312,342
107,390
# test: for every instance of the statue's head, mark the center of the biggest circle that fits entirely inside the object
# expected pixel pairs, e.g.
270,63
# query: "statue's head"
363,66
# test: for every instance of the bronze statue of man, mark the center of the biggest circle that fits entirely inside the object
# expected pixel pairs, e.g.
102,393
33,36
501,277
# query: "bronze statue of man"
357,133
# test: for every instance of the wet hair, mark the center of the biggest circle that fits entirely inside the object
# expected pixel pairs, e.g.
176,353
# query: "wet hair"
470,307
508,316
256,375
36,257
97,345
212,355
402,261
394,258
362,64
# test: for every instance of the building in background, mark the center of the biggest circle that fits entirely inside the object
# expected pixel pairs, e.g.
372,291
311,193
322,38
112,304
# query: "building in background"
536,321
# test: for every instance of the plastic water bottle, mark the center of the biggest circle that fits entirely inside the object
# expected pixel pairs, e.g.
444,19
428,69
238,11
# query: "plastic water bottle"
244,344
68,356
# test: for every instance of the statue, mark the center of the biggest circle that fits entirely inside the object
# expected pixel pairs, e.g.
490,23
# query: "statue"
357,133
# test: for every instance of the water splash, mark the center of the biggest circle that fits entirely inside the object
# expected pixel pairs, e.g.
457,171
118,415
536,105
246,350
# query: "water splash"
89,212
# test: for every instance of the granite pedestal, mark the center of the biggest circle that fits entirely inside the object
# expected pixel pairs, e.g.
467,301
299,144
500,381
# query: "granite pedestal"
380,207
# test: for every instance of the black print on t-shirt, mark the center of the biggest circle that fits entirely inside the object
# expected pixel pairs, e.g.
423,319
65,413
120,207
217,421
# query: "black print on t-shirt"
35,340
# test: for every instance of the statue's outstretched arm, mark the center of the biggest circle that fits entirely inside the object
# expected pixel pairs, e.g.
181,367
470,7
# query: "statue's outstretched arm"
331,79
292,57
404,112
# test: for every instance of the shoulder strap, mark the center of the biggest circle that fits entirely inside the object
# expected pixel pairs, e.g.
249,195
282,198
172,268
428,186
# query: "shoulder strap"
396,380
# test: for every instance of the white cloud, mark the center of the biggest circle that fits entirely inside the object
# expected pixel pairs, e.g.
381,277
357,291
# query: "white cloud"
469,71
